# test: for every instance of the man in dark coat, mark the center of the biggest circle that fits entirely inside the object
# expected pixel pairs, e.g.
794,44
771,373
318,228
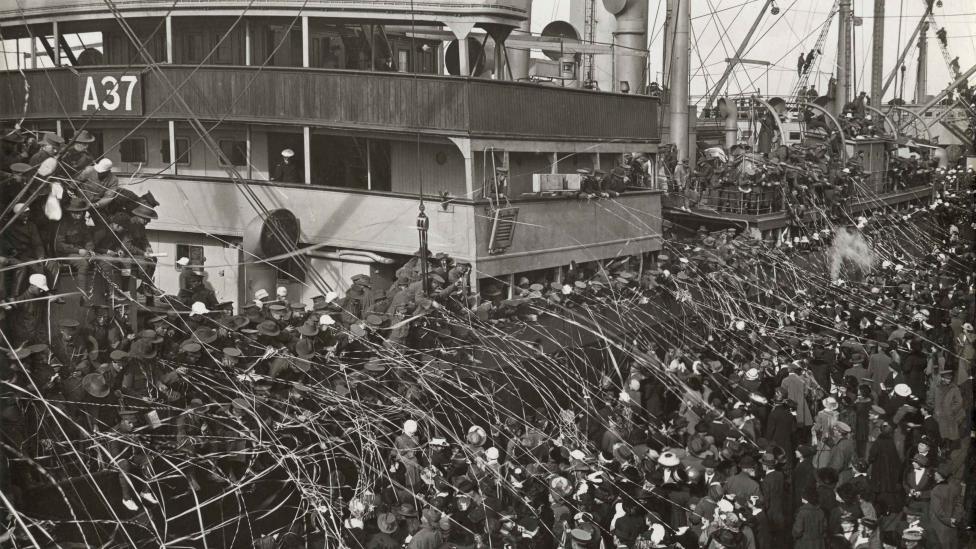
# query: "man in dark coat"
804,474
775,499
810,524
781,424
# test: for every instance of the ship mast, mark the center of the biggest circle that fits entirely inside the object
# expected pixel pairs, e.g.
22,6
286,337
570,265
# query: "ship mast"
921,81
680,74
842,94
877,53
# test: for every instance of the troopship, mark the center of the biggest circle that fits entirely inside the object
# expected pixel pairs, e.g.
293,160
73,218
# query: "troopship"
379,106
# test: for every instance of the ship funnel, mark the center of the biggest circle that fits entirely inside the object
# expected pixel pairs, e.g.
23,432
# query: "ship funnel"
630,35
266,238
730,112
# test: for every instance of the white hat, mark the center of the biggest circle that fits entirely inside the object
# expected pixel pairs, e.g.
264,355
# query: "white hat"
20,208
39,280
103,165
282,291
198,308
288,153
330,297
183,261
903,390
967,327
567,289
261,294
491,454
752,374
410,427
326,320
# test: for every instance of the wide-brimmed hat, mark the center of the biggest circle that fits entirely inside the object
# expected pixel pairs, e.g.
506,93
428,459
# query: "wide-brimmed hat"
269,328
142,348
84,136
95,385
903,390
145,212
830,404
205,336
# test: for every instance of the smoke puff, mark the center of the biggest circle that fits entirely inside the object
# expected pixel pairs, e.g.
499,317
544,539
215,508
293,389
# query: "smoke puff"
852,246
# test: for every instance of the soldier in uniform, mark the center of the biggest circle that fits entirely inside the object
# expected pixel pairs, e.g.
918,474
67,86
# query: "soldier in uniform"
50,145
98,186
11,149
197,291
77,158
73,347
74,241
286,171
19,243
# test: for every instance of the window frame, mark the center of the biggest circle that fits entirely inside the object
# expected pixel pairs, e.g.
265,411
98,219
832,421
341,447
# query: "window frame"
145,149
220,144
182,159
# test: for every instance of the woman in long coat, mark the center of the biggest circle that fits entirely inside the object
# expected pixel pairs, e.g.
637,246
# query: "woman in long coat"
885,470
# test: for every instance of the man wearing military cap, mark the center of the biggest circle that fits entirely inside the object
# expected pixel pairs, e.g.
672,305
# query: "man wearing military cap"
359,297
73,346
74,242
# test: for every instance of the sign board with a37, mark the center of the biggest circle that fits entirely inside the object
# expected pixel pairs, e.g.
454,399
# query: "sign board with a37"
110,93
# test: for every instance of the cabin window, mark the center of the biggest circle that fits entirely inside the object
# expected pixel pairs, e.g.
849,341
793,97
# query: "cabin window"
403,61
191,252
182,151
133,150
794,136
234,151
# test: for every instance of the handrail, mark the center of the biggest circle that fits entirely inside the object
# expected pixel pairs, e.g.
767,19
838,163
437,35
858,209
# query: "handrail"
463,201
928,134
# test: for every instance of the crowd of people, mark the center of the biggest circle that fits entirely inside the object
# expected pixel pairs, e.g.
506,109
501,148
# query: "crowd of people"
770,404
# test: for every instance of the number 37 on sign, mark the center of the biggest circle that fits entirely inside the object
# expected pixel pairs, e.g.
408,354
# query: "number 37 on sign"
111,93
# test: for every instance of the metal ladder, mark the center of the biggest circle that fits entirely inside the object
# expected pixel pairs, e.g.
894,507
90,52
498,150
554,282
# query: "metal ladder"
801,83
944,49
589,31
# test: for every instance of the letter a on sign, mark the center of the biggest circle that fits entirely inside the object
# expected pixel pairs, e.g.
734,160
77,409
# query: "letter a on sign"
91,97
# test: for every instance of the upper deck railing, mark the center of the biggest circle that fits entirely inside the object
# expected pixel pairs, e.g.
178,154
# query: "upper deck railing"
402,10
385,101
